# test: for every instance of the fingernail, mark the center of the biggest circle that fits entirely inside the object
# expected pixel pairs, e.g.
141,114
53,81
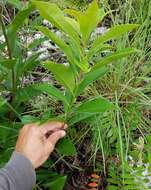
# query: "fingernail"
63,133
65,126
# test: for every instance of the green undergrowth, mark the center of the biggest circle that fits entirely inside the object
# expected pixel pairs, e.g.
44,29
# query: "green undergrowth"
102,92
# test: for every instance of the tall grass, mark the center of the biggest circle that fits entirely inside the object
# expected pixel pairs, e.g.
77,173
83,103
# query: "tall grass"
127,85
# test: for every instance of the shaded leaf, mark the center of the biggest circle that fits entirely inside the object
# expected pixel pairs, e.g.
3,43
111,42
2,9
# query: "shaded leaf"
57,184
66,147
2,101
51,91
8,63
27,93
58,41
16,24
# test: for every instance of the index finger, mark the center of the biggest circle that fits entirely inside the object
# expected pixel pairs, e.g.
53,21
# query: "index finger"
53,126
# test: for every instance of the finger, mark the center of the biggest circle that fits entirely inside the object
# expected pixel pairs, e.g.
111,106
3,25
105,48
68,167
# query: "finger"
53,139
52,126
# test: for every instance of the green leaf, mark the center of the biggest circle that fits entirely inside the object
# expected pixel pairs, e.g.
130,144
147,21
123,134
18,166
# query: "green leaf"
115,56
102,47
51,91
66,147
113,33
69,50
37,42
19,19
27,93
54,15
8,63
88,20
58,41
78,117
30,63
96,105
90,77
26,119
74,24
16,24
2,101
57,184
63,74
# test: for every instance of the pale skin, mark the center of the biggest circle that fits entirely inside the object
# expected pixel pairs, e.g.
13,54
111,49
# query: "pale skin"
37,142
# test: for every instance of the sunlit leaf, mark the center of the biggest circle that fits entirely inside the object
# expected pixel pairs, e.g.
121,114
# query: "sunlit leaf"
96,105
90,77
113,33
88,20
54,15
64,74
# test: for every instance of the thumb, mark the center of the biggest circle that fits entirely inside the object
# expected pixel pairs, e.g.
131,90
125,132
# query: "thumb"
53,139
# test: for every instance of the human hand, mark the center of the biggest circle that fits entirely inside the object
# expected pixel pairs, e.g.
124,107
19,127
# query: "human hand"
37,142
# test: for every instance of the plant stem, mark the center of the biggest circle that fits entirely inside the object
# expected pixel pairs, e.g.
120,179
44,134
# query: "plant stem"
10,57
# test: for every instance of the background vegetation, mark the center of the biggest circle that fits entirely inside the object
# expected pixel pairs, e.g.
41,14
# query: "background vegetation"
113,143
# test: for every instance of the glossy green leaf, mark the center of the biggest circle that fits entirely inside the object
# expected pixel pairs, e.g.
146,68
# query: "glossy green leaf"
114,57
66,147
64,74
114,32
90,77
37,42
74,13
96,105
